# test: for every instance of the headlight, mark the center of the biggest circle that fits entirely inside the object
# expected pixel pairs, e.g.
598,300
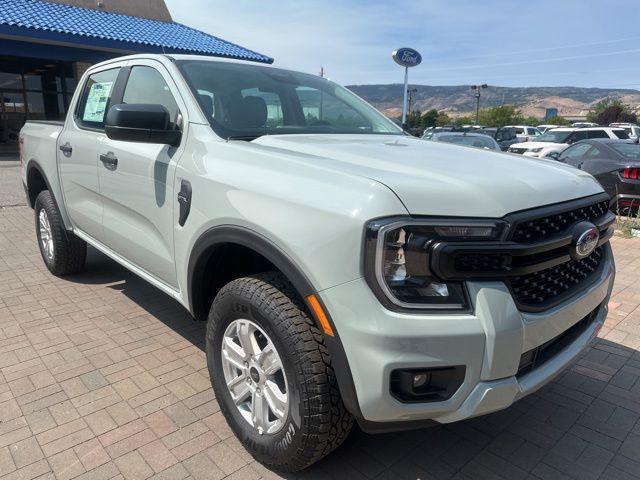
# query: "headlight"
397,252
536,150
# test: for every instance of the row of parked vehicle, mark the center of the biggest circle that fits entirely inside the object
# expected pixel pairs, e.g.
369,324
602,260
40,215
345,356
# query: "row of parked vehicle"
611,154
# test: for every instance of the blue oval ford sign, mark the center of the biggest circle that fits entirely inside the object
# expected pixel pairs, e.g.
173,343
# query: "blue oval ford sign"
407,57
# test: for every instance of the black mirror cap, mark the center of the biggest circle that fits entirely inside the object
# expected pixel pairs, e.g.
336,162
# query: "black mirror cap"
148,123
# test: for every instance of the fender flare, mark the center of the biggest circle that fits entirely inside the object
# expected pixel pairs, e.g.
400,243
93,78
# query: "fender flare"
34,165
219,235
224,234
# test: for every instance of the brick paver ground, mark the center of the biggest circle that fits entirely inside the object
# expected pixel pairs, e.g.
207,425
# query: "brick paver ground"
102,376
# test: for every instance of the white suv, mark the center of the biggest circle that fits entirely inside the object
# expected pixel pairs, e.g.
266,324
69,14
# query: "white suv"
525,133
553,142
631,128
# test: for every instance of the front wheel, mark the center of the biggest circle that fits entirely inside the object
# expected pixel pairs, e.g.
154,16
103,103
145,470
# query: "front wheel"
272,373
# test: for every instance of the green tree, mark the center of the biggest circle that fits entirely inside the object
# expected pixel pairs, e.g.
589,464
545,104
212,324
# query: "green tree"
443,119
610,110
556,120
500,116
414,119
430,118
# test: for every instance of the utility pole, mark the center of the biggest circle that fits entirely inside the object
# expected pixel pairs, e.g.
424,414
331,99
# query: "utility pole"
477,88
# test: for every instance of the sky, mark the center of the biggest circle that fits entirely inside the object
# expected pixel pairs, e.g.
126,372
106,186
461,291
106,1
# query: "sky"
584,43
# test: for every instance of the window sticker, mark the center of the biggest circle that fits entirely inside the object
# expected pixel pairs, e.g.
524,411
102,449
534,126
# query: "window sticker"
97,102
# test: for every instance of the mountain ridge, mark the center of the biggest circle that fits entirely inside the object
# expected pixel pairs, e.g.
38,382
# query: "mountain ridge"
458,100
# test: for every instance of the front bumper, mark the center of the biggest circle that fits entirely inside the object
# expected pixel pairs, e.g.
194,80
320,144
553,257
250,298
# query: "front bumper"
488,343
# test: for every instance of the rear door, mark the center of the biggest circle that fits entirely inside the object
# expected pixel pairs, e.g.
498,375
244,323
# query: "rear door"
78,150
138,191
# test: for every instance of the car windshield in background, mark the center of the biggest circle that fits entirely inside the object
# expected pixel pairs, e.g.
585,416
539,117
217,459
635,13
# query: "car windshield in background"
553,137
247,101
627,150
468,141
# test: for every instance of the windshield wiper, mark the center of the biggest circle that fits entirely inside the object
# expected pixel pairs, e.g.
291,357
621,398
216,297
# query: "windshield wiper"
247,138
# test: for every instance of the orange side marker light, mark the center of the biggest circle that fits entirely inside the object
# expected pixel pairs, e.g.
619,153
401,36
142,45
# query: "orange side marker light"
318,311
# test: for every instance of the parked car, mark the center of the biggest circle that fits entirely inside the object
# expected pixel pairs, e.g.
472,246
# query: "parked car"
504,136
553,142
632,129
466,139
346,270
544,128
525,133
615,164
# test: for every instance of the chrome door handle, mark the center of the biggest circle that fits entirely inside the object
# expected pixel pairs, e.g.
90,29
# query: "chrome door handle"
109,160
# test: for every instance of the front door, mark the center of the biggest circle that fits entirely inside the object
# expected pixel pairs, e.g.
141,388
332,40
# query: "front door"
77,152
137,181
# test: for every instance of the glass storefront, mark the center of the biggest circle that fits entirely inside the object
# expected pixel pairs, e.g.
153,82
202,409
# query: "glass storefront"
31,89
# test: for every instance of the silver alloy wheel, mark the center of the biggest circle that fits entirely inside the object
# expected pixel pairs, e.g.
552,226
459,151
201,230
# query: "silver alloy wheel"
46,238
255,376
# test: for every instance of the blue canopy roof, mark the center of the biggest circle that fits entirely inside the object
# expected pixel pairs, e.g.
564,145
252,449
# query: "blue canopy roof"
107,30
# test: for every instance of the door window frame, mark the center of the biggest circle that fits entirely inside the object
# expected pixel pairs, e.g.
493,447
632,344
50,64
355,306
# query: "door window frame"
80,104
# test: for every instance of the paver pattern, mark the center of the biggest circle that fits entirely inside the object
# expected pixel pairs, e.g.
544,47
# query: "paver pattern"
102,376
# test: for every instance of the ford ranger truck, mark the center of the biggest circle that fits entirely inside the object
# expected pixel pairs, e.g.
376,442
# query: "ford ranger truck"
347,271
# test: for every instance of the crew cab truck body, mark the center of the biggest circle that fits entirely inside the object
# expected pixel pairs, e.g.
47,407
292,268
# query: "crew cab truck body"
346,270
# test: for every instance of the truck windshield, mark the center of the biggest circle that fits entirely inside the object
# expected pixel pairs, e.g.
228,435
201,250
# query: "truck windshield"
554,136
247,101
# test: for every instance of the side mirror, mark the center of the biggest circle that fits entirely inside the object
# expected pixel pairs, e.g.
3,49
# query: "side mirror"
139,122
553,155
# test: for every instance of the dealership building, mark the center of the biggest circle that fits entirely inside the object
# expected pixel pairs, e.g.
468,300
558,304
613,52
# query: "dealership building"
45,46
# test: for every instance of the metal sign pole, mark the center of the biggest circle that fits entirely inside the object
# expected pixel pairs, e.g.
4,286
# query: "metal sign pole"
404,101
406,57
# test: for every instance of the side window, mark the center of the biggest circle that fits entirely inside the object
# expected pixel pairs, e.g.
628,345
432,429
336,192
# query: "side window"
146,85
579,135
595,153
519,130
621,134
95,98
575,152
275,117
597,134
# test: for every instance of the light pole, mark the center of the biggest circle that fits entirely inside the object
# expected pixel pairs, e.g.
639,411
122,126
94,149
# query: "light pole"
477,88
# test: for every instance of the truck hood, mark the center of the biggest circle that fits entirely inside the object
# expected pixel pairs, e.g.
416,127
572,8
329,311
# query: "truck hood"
435,178
530,145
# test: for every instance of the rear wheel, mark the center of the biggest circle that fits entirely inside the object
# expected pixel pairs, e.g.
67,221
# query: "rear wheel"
272,373
63,253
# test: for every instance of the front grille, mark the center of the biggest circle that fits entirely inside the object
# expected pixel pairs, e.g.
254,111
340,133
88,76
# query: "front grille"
535,257
532,359
536,229
482,262
541,288
517,150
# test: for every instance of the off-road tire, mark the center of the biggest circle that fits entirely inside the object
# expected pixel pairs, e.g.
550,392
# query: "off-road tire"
69,252
317,420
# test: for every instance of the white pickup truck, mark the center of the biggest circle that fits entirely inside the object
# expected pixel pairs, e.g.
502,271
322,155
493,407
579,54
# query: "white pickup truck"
346,270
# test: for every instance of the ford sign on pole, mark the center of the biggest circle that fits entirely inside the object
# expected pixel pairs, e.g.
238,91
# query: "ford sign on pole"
406,57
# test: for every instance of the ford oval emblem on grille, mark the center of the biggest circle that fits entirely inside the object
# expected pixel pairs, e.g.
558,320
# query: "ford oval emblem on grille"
586,237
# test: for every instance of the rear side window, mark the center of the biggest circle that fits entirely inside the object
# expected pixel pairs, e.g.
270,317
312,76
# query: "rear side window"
146,85
519,130
95,98
598,134
579,135
620,133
